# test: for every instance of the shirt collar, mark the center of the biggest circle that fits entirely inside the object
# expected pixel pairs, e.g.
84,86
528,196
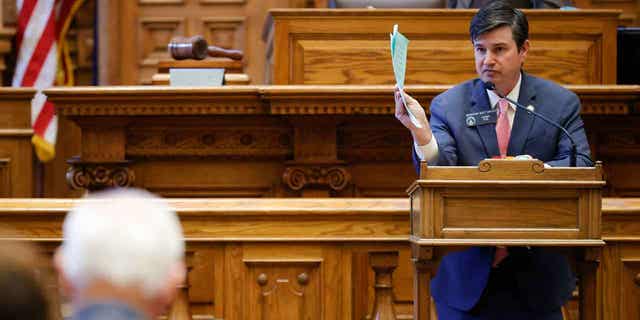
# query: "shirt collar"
513,95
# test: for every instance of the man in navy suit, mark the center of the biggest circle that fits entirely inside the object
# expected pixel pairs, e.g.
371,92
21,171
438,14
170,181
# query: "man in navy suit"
485,282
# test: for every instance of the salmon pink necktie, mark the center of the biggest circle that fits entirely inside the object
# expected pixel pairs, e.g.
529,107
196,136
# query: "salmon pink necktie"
503,130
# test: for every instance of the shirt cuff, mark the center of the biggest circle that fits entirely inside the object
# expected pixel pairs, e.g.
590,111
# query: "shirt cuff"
429,151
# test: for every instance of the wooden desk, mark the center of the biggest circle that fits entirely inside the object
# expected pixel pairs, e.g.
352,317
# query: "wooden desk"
311,256
507,203
351,46
231,241
289,141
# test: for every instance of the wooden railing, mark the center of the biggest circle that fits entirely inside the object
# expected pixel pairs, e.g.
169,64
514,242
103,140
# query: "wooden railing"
319,249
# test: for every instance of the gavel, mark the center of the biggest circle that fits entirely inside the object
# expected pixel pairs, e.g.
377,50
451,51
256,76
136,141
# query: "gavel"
196,47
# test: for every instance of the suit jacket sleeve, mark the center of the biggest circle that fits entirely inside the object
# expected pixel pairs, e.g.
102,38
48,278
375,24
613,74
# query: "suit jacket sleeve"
573,123
447,148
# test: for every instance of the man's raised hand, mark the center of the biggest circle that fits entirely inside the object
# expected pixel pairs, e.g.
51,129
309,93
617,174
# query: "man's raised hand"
422,135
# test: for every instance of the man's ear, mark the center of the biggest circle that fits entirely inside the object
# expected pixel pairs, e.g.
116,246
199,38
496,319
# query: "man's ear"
177,276
66,287
524,49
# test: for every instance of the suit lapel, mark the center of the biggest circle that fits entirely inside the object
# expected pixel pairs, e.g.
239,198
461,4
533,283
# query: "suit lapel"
487,132
523,121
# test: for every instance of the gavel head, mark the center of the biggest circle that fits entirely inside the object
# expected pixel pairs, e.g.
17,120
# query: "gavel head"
181,48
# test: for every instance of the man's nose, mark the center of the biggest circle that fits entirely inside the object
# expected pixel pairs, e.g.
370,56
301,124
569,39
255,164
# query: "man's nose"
489,58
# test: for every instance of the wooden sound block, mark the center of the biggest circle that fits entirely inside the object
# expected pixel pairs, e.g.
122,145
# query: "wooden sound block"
229,79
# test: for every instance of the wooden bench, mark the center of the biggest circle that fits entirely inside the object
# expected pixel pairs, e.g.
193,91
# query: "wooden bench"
323,247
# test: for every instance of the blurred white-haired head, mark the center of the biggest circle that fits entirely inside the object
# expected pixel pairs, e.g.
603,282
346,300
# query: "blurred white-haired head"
125,237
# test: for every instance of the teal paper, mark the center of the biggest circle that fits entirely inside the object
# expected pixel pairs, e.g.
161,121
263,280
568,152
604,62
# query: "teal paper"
399,46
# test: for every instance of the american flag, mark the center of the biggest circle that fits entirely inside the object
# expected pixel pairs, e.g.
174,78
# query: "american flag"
42,49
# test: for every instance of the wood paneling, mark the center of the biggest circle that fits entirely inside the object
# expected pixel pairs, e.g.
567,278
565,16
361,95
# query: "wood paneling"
287,288
136,34
239,23
224,271
284,141
261,267
630,9
16,164
352,46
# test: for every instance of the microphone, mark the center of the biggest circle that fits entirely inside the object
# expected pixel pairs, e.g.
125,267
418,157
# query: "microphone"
531,110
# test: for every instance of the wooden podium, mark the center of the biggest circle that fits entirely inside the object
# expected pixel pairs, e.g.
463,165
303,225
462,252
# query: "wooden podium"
511,203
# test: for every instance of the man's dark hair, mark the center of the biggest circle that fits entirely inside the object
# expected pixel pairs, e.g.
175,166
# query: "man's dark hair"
497,14
23,294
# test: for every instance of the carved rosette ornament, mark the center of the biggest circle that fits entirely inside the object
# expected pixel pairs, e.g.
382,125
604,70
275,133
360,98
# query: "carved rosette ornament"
300,177
97,176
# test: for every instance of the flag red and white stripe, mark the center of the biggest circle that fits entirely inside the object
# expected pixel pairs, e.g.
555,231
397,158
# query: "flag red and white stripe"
41,30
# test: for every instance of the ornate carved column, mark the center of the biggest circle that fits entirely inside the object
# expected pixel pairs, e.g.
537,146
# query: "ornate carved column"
315,170
102,162
98,175
383,264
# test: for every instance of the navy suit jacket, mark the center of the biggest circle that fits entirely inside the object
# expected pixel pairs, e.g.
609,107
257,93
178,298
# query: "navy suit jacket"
108,310
546,280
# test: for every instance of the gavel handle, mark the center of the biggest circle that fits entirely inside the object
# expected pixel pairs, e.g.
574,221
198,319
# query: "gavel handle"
214,51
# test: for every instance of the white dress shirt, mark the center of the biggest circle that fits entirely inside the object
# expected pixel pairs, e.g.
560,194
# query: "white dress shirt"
429,151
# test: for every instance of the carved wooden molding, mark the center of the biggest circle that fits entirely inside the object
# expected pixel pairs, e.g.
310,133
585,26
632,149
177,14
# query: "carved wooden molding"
220,142
263,279
606,108
96,176
291,100
10,93
329,176
199,108
342,108
373,144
